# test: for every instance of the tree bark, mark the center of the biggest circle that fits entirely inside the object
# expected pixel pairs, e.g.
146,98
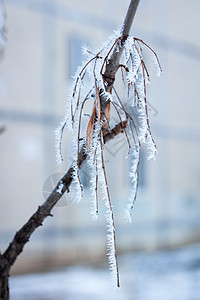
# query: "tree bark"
4,275
4,288
113,64
21,237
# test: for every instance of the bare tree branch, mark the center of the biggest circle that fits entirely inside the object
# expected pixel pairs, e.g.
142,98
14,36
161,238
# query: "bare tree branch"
21,237
130,16
112,65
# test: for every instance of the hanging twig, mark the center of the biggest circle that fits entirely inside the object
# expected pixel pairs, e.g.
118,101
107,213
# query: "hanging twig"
112,248
103,86
21,237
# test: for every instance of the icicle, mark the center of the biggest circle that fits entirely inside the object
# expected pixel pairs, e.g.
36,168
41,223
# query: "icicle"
76,185
93,188
157,65
93,165
151,147
128,47
111,239
135,154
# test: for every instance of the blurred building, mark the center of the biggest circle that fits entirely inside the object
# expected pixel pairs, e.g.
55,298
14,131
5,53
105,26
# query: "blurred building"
42,53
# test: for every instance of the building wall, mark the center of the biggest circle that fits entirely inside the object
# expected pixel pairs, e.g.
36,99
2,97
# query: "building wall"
43,50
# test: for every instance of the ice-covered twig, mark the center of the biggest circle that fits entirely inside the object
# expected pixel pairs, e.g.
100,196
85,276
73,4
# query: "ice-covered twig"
22,236
134,110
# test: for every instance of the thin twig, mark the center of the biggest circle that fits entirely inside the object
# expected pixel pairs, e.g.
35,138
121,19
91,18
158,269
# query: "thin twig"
129,145
96,190
111,210
22,236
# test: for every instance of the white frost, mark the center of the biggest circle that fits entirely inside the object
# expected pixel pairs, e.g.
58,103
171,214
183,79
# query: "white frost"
88,77
60,187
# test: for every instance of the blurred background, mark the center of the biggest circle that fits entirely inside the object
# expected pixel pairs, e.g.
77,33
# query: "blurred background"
159,253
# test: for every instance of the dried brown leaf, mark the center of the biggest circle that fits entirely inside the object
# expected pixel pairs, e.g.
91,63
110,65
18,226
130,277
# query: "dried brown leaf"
90,128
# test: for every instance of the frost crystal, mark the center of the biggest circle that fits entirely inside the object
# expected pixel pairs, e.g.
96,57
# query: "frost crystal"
91,93
60,187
